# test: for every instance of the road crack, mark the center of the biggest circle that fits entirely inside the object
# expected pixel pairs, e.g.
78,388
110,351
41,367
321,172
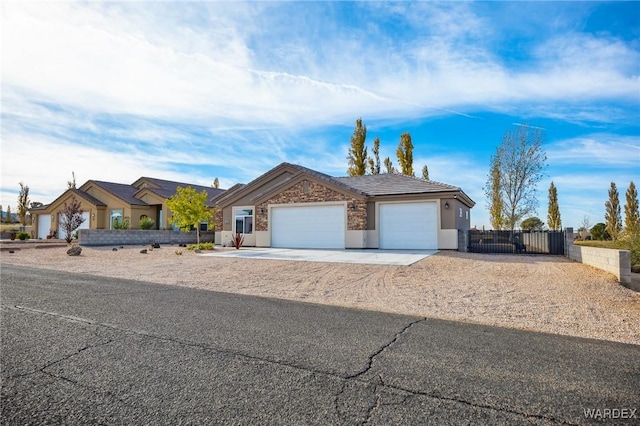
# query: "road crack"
376,398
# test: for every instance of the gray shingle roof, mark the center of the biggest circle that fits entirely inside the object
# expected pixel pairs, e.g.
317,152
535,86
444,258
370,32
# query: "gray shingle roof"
123,191
168,188
394,184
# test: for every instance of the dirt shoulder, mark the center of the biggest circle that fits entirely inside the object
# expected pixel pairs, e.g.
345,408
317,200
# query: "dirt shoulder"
538,293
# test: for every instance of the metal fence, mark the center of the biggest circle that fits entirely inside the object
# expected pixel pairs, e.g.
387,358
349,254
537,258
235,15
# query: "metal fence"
517,241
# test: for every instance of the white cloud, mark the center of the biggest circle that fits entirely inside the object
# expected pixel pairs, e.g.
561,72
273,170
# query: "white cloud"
597,150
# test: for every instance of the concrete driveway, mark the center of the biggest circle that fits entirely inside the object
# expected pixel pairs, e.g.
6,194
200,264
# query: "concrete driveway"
370,256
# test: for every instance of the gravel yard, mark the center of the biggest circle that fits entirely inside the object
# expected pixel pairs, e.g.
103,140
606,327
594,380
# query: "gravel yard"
540,293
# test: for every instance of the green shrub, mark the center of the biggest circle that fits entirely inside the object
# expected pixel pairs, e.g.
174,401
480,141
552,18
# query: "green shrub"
631,243
23,236
146,223
124,224
201,246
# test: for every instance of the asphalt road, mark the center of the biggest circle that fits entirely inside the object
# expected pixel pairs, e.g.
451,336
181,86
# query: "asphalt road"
81,349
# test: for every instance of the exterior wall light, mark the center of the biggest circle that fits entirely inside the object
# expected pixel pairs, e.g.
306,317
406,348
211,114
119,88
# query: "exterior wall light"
446,204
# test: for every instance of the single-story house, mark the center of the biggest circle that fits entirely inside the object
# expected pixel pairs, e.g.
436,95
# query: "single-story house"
295,207
104,202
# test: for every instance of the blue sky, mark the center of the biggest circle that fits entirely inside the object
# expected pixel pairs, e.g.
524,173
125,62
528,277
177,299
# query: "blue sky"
193,91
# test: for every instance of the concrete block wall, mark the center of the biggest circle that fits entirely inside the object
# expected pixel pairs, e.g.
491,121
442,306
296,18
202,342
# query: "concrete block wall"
616,262
114,237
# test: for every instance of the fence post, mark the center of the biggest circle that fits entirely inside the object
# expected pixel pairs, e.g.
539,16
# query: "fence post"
568,240
463,240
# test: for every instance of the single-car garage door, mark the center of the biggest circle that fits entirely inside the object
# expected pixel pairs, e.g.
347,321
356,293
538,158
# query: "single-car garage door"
308,227
409,226
44,225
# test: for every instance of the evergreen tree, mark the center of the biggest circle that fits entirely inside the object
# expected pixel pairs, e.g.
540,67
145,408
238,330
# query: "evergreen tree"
388,165
532,224
374,163
405,154
358,151
631,215
8,218
23,203
494,196
216,183
425,172
612,213
553,216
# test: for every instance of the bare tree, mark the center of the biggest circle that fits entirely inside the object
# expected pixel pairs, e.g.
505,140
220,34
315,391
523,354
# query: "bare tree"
584,229
520,160
71,218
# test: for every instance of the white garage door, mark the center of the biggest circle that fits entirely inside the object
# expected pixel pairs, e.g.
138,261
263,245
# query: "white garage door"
44,225
409,226
308,227
85,225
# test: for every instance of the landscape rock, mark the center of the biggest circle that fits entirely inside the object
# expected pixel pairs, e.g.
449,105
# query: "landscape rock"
156,245
143,251
74,251
114,249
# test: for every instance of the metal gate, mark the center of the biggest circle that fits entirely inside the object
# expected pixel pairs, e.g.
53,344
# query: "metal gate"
517,241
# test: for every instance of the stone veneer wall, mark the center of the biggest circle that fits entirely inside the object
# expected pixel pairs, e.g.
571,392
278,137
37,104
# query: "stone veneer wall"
113,237
616,262
315,193
218,218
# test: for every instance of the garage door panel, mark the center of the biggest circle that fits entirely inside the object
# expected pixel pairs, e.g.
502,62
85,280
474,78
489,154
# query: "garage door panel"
408,226
308,227
44,225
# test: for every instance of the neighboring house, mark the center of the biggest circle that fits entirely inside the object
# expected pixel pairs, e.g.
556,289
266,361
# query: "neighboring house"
104,202
296,207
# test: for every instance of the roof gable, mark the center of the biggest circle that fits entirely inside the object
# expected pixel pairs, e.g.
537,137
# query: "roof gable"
278,179
83,196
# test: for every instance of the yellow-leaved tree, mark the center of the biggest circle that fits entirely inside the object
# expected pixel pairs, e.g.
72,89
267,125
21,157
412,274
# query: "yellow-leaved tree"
189,209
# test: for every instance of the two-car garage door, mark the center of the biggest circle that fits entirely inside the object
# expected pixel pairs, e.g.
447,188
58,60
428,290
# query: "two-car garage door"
308,226
403,226
409,226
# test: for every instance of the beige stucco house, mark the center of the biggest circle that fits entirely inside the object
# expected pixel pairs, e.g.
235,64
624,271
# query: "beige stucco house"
296,207
104,202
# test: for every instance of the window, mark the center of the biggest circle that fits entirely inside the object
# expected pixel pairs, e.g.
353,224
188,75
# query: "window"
204,226
466,213
244,221
115,215
460,211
